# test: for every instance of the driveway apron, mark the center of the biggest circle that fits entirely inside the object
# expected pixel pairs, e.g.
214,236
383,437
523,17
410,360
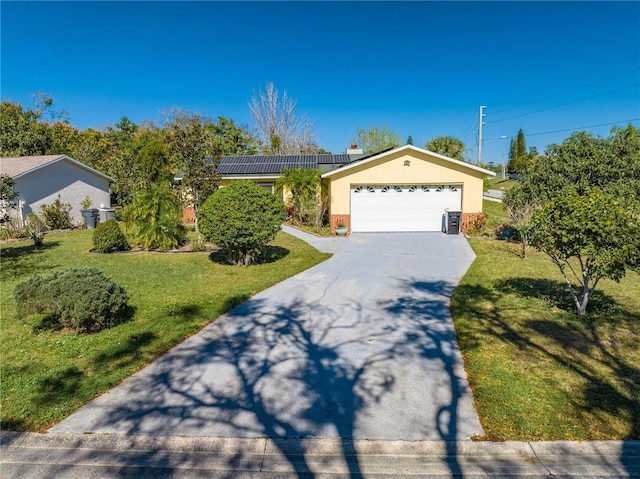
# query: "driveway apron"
361,346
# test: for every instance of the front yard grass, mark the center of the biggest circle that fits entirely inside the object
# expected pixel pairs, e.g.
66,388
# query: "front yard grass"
538,371
46,375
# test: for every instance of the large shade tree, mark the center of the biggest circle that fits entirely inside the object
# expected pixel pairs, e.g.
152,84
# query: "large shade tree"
21,134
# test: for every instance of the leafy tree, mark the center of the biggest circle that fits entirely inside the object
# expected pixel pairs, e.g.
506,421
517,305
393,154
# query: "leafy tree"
120,161
241,219
278,125
197,154
520,208
448,146
583,161
153,219
20,132
230,139
64,141
409,140
154,160
602,177
303,185
589,235
8,197
376,139
91,147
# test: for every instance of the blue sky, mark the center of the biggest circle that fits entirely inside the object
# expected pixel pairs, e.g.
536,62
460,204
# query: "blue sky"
423,68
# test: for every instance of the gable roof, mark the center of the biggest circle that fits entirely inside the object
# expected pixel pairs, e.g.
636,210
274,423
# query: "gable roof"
18,166
376,156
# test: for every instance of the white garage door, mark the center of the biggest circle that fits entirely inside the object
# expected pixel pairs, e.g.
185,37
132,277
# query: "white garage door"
402,208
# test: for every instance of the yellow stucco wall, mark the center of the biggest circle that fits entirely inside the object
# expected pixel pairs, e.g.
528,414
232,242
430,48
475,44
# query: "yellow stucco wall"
422,169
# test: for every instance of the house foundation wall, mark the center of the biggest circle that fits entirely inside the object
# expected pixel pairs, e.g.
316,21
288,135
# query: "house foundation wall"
471,221
188,214
346,219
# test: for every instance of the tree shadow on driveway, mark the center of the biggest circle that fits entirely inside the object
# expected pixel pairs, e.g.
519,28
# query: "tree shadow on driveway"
294,370
433,337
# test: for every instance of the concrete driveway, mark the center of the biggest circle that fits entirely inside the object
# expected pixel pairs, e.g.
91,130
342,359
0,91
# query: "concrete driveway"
361,346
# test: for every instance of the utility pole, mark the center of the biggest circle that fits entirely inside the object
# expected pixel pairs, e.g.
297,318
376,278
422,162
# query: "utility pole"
480,123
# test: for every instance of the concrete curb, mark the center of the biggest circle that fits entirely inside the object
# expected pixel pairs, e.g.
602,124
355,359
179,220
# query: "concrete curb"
30,455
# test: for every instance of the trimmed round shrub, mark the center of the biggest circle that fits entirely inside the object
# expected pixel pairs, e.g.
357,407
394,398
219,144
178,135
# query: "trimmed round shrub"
241,219
80,298
109,238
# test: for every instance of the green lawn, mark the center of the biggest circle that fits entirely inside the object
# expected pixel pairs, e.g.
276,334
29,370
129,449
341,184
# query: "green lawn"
499,183
495,210
47,375
537,370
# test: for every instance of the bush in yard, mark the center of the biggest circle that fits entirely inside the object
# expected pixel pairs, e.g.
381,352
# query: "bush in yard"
79,298
154,219
241,219
56,215
35,228
109,238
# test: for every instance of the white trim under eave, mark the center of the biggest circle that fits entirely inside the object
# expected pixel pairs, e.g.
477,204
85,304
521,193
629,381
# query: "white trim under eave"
64,157
406,147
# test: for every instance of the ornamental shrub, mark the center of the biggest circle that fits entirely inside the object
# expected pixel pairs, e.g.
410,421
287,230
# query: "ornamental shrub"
56,215
35,228
109,238
241,219
80,298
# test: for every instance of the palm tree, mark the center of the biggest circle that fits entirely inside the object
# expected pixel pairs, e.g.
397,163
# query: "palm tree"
153,219
448,146
302,185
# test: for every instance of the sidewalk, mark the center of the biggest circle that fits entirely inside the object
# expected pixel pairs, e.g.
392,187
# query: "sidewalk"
91,456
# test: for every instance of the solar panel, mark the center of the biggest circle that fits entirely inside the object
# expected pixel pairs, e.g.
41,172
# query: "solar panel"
275,164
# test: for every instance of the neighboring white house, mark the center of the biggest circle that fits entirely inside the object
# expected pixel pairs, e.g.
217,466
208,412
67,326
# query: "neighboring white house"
40,179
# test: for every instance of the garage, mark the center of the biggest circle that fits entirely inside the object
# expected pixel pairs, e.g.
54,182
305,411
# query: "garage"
380,208
403,189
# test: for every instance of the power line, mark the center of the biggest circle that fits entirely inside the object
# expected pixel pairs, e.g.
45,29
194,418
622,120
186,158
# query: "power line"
568,91
582,127
469,130
568,79
565,104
